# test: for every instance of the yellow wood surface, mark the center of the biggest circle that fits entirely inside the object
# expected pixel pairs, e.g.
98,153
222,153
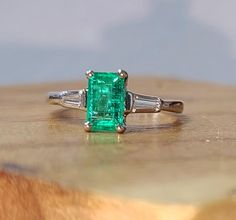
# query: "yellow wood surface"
162,158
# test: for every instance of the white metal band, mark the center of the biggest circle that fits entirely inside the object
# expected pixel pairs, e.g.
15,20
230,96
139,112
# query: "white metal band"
70,99
135,103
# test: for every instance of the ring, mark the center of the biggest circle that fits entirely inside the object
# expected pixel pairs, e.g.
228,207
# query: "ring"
108,102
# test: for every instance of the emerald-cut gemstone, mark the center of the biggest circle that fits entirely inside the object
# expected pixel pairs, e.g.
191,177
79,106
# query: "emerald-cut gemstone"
105,101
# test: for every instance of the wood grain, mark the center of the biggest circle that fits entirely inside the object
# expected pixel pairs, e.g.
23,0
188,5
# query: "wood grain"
162,158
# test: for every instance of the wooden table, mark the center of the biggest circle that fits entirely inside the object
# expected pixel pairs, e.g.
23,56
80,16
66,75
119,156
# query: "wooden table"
163,158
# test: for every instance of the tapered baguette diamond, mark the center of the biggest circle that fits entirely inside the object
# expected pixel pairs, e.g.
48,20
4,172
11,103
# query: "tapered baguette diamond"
105,101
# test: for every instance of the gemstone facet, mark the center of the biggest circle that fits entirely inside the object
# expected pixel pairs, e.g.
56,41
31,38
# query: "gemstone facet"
105,101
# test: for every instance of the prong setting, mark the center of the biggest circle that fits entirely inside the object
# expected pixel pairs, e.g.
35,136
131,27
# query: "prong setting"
87,126
120,129
123,74
89,74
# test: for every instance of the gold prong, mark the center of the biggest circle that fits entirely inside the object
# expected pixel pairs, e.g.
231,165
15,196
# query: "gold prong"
87,126
120,129
123,74
89,74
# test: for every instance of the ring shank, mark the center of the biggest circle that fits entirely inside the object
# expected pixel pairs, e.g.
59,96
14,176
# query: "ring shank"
172,106
135,103
138,103
70,99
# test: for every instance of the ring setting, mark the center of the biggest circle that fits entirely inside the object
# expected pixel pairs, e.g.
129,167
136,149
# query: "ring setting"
108,102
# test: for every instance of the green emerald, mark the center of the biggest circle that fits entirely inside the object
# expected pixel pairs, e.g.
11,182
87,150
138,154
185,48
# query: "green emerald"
105,101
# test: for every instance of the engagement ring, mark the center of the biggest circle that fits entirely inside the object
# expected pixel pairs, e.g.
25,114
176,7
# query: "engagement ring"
108,102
